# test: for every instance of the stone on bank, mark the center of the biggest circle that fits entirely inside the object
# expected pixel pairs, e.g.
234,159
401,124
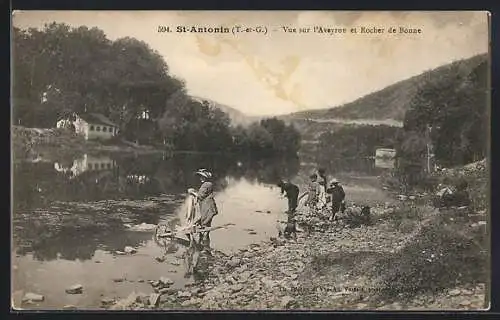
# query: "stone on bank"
33,297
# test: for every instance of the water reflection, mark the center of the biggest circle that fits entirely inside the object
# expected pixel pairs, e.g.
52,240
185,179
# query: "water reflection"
196,256
85,163
384,163
68,209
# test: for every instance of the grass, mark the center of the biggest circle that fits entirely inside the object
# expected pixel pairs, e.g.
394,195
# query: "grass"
406,219
446,251
475,175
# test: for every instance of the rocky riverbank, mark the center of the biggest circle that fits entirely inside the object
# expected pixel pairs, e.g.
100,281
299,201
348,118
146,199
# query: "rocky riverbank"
30,142
335,265
406,255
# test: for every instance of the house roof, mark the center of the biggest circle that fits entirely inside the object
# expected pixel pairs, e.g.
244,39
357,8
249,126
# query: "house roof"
97,118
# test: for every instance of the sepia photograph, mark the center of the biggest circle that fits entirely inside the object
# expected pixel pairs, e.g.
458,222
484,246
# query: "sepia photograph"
250,160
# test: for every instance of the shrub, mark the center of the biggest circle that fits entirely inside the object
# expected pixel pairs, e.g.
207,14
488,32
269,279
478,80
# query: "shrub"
405,218
441,256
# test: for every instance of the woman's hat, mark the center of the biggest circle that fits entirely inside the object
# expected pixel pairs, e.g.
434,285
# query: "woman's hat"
334,181
204,173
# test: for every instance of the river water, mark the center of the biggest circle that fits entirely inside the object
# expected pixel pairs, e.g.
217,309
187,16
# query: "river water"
71,218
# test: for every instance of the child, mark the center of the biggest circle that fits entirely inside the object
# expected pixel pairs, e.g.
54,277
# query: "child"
322,201
313,191
338,197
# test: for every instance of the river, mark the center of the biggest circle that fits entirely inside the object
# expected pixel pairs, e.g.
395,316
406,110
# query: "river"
71,216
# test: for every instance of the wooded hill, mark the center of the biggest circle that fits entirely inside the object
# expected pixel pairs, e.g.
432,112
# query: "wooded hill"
60,70
446,109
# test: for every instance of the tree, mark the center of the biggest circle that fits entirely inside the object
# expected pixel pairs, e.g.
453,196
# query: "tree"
259,139
356,141
454,107
285,138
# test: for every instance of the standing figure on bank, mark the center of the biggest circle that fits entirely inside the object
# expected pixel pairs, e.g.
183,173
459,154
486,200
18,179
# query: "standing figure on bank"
291,192
321,203
338,195
205,199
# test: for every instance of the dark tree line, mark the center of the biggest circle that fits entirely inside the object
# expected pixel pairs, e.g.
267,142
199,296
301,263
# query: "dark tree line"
78,69
450,113
60,70
39,184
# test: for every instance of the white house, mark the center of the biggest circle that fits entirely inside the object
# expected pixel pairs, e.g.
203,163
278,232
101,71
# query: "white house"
385,153
385,158
90,125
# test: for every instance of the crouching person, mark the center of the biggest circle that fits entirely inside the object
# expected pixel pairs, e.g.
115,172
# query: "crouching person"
450,195
291,192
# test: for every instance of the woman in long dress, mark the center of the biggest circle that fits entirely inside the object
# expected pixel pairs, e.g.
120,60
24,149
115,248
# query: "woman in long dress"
205,199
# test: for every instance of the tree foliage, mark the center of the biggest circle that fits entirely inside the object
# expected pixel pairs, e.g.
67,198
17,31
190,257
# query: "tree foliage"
450,113
357,141
60,70
448,117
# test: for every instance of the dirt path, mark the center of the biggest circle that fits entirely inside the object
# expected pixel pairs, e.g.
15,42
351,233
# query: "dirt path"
337,268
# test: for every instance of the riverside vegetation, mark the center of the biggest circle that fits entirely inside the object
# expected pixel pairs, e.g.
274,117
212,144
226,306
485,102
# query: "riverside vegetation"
408,255
61,70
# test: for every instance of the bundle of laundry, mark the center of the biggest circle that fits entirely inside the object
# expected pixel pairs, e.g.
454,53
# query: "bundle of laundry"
192,214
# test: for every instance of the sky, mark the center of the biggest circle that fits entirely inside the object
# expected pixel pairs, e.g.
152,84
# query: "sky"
283,72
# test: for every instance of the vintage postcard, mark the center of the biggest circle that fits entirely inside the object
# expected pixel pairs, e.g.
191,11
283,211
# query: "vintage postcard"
293,160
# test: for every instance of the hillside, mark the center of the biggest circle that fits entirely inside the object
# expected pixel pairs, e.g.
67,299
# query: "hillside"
393,101
237,117
456,108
